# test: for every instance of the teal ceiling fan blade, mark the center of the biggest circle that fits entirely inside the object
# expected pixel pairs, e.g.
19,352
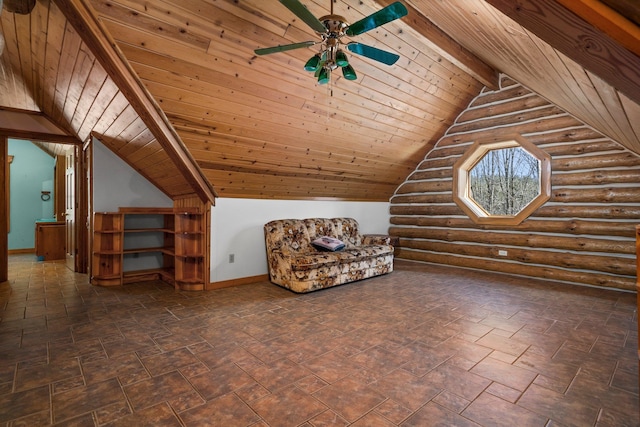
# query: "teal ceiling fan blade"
392,12
303,13
282,48
373,53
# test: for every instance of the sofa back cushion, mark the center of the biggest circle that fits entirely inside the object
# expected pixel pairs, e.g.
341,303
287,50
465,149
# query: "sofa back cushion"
290,236
347,230
294,236
320,227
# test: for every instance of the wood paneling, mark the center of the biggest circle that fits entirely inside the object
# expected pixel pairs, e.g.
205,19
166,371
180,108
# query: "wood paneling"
49,69
584,234
580,81
261,126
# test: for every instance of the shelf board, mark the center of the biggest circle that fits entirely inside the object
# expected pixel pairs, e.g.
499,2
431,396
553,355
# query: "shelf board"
141,275
164,250
148,230
133,273
199,255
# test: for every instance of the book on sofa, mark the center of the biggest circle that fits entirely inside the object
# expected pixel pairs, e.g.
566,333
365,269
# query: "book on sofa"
326,243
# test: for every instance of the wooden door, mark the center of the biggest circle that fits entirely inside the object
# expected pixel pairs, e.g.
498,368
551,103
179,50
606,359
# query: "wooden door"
69,216
59,185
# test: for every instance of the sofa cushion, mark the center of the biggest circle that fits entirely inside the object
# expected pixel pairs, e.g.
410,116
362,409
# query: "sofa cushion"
365,252
310,261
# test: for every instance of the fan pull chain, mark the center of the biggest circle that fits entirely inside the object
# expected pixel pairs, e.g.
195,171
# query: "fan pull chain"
330,85
328,102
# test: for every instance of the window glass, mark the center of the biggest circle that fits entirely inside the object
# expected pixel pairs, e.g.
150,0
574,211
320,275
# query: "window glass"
505,181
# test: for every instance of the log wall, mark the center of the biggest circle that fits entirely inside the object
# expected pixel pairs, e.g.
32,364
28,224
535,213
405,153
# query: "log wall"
585,234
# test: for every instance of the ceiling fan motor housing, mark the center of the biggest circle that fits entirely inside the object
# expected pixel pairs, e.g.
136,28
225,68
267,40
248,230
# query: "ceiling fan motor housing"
335,25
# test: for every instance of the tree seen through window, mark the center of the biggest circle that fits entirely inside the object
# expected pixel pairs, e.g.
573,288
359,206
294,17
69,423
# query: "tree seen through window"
505,181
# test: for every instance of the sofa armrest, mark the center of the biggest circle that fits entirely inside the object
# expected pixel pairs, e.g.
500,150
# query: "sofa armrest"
376,239
279,255
279,266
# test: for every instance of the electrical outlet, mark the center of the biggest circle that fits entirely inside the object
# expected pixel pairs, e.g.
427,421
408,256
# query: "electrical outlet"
502,252
232,258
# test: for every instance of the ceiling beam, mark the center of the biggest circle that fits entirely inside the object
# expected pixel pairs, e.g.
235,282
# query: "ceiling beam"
448,48
39,136
627,8
27,124
620,27
579,40
83,18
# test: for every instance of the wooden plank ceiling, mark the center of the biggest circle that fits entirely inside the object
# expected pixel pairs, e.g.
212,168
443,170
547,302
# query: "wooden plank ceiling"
261,127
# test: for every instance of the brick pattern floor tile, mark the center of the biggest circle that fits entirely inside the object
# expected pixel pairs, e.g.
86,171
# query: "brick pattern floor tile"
422,346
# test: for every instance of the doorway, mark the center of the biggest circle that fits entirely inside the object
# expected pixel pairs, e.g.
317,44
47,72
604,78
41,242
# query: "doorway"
67,209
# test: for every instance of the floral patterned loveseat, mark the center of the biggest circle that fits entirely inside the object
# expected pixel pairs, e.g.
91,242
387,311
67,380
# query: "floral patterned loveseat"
294,263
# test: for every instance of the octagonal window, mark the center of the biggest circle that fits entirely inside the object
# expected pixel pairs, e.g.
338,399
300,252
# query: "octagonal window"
502,181
505,181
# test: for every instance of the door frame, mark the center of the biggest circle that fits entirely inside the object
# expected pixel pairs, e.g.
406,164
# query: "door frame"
81,201
84,225
80,211
4,209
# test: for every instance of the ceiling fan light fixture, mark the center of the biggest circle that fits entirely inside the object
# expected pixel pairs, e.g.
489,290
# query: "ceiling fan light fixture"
349,73
341,58
312,63
324,76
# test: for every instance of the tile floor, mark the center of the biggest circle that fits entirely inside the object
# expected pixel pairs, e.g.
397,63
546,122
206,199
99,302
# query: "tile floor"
423,346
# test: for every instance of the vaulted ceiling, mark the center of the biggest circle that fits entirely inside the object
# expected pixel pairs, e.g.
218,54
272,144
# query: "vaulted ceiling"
176,90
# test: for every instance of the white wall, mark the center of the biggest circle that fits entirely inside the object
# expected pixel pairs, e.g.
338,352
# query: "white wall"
236,228
117,184
236,224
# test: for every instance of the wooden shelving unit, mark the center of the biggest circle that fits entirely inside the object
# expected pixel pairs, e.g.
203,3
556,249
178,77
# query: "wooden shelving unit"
140,244
189,250
106,259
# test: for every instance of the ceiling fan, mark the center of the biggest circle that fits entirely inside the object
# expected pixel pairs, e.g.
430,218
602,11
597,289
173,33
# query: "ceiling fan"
331,29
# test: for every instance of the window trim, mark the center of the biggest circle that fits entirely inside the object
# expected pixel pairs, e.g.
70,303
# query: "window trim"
474,154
